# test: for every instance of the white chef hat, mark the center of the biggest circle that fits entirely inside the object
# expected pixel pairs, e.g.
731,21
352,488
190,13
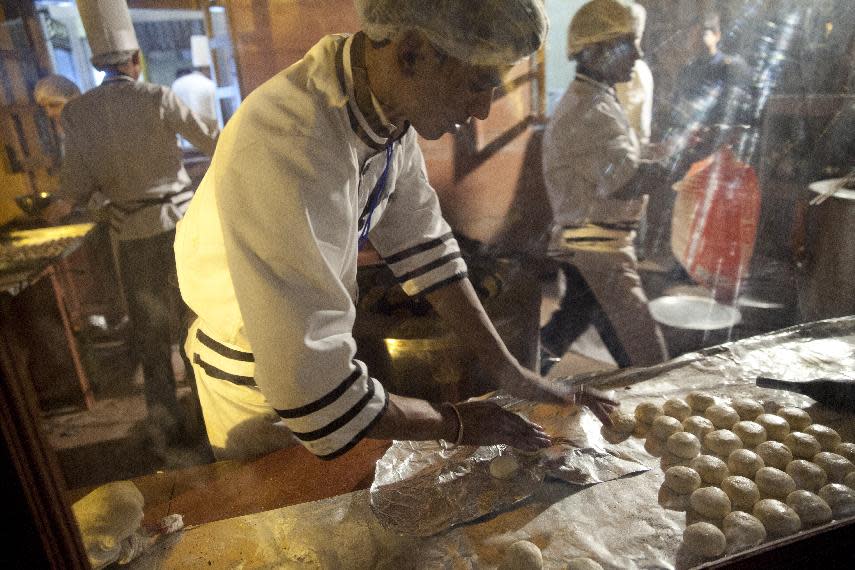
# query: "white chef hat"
486,32
599,21
109,31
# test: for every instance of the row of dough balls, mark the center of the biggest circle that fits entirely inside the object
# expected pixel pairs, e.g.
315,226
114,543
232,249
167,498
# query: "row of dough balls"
779,500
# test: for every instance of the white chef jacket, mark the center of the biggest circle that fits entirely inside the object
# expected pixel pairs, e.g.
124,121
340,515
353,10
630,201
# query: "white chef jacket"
636,98
200,94
120,141
590,152
267,251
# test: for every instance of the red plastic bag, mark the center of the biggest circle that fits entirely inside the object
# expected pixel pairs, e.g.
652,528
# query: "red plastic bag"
714,222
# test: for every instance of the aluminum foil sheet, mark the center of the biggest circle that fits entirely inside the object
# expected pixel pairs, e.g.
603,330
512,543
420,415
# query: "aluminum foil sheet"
422,489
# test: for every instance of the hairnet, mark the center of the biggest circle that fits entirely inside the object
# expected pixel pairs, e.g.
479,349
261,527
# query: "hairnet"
55,87
486,32
599,21
113,58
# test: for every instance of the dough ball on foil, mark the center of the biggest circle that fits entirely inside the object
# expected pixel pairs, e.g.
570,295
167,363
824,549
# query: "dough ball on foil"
684,445
721,415
704,539
808,477
744,462
796,417
835,466
747,408
664,426
803,445
845,449
699,401
849,480
751,433
711,469
742,531
741,491
827,437
698,426
677,408
710,502
776,427
622,422
522,555
504,467
583,564
646,412
774,483
777,517
812,510
722,442
682,480
774,454
840,498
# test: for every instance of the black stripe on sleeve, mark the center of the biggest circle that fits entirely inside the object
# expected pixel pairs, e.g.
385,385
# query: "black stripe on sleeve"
440,284
324,401
338,422
416,249
429,267
218,374
222,349
358,437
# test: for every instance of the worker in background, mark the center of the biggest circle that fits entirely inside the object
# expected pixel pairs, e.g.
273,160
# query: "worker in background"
121,143
195,87
591,166
711,94
316,162
52,93
636,95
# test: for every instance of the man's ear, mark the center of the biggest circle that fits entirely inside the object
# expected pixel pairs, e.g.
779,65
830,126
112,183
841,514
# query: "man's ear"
410,52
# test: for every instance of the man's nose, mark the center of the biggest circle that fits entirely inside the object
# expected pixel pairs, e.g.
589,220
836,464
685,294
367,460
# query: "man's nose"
479,106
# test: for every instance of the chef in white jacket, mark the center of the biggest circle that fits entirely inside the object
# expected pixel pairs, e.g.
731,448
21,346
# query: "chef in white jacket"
316,161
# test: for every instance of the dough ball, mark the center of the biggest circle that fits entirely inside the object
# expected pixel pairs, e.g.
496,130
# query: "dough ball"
840,498
677,409
684,445
711,469
704,539
699,401
669,460
698,426
622,422
655,446
835,466
777,517
522,555
741,491
849,480
846,449
808,477
682,480
722,416
751,433
664,426
646,412
744,462
827,437
776,427
504,467
742,531
672,501
774,483
803,445
583,564
747,409
722,442
774,454
796,417
710,502
812,510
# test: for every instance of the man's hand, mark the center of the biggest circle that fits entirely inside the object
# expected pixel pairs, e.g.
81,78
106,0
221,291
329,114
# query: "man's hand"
598,402
485,423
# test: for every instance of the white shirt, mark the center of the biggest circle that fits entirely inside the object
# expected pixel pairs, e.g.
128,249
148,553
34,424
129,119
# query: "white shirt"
200,94
590,152
636,97
267,252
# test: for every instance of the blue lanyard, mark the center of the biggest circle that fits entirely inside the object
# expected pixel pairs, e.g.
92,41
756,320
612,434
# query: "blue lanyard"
375,197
